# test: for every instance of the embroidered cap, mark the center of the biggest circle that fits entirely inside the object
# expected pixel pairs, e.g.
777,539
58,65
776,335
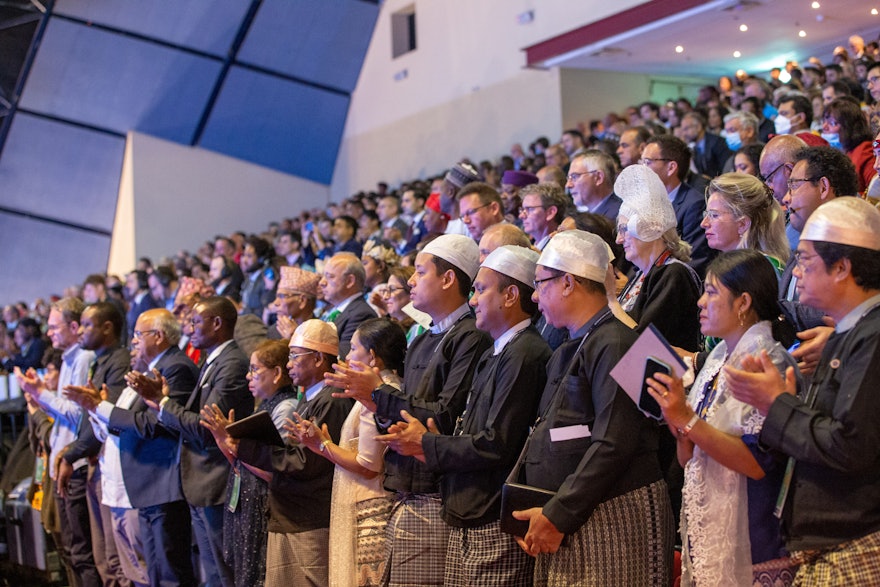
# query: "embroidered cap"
316,335
513,261
457,249
296,280
578,252
846,221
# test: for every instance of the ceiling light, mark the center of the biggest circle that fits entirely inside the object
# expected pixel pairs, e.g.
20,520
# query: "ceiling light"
874,11
679,49
737,54
815,5
802,34
743,27
784,76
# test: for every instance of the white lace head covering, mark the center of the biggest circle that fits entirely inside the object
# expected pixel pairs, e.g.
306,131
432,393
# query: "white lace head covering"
646,210
846,221
513,261
577,252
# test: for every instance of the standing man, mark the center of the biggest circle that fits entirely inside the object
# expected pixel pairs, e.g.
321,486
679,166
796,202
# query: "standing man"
543,208
440,366
342,287
137,293
148,452
591,444
477,457
203,468
830,509
63,325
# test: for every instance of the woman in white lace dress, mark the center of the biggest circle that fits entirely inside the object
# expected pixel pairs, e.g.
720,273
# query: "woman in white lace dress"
360,505
729,533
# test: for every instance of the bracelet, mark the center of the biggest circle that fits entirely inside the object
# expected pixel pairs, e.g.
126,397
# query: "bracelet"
163,401
324,444
683,432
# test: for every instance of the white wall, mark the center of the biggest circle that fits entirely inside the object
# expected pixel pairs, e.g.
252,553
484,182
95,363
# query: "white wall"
175,197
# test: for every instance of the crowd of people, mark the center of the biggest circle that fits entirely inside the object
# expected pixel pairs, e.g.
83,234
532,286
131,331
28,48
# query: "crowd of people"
362,394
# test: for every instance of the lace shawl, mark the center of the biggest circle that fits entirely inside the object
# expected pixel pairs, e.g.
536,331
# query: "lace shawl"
715,519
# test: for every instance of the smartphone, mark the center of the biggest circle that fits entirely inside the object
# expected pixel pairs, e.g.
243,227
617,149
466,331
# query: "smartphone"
310,226
646,402
269,273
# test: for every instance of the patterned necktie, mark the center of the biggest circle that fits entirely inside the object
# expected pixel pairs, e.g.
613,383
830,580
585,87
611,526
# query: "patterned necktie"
331,315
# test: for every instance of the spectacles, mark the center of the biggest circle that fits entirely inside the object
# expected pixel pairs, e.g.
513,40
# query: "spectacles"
573,177
390,290
794,184
830,120
472,211
800,257
714,215
526,210
649,160
538,282
876,147
253,370
769,176
141,333
294,356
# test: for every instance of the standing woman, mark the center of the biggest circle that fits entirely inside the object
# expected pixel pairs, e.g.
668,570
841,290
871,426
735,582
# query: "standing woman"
730,535
360,506
741,213
245,520
396,296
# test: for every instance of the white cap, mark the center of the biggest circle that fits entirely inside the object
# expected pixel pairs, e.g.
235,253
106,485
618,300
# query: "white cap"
513,261
846,221
646,208
577,252
457,249
316,335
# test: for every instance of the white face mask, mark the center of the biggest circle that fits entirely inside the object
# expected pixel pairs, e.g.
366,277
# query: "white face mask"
783,125
833,139
734,142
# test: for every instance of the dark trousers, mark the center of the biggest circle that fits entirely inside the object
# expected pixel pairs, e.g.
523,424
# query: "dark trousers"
207,527
166,535
75,529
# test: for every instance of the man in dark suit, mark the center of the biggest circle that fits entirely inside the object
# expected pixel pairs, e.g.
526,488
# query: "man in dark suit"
203,468
669,157
591,182
137,291
710,151
342,286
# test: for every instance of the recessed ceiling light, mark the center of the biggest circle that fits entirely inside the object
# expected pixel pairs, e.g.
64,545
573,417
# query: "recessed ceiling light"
815,5
874,11
679,49
743,27
737,54
802,34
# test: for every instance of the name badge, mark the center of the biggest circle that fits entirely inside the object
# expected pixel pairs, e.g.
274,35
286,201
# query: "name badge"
569,432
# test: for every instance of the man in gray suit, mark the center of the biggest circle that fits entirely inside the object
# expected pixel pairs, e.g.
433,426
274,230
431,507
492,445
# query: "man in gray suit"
203,468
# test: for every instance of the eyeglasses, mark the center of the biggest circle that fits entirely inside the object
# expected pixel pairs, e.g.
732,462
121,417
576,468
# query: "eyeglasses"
573,177
649,160
141,333
526,210
876,147
800,257
769,176
294,356
714,215
390,290
253,370
538,282
830,120
794,184
472,211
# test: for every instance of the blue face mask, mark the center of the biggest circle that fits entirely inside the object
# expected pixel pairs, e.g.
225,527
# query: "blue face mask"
833,139
734,142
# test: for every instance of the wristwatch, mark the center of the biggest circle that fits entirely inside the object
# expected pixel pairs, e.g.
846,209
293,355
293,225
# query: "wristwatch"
324,444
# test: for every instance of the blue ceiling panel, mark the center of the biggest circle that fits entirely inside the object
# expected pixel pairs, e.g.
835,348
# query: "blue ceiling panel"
118,83
323,42
204,26
59,171
284,125
40,258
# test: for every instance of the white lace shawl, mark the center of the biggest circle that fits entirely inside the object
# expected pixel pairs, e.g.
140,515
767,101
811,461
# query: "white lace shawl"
715,519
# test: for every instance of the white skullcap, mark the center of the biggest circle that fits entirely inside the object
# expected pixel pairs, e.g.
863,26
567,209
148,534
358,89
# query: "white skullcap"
846,221
457,249
577,252
513,261
316,335
646,208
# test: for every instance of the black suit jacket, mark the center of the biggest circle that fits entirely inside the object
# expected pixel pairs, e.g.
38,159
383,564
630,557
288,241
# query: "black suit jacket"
610,208
711,159
348,321
203,468
148,450
689,205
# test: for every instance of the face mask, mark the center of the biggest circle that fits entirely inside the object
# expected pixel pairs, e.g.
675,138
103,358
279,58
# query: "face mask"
783,125
733,141
833,139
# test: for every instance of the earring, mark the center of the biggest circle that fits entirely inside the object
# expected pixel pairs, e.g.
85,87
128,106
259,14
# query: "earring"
742,320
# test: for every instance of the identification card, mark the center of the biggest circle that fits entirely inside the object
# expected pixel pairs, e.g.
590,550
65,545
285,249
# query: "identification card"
569,432
236,491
